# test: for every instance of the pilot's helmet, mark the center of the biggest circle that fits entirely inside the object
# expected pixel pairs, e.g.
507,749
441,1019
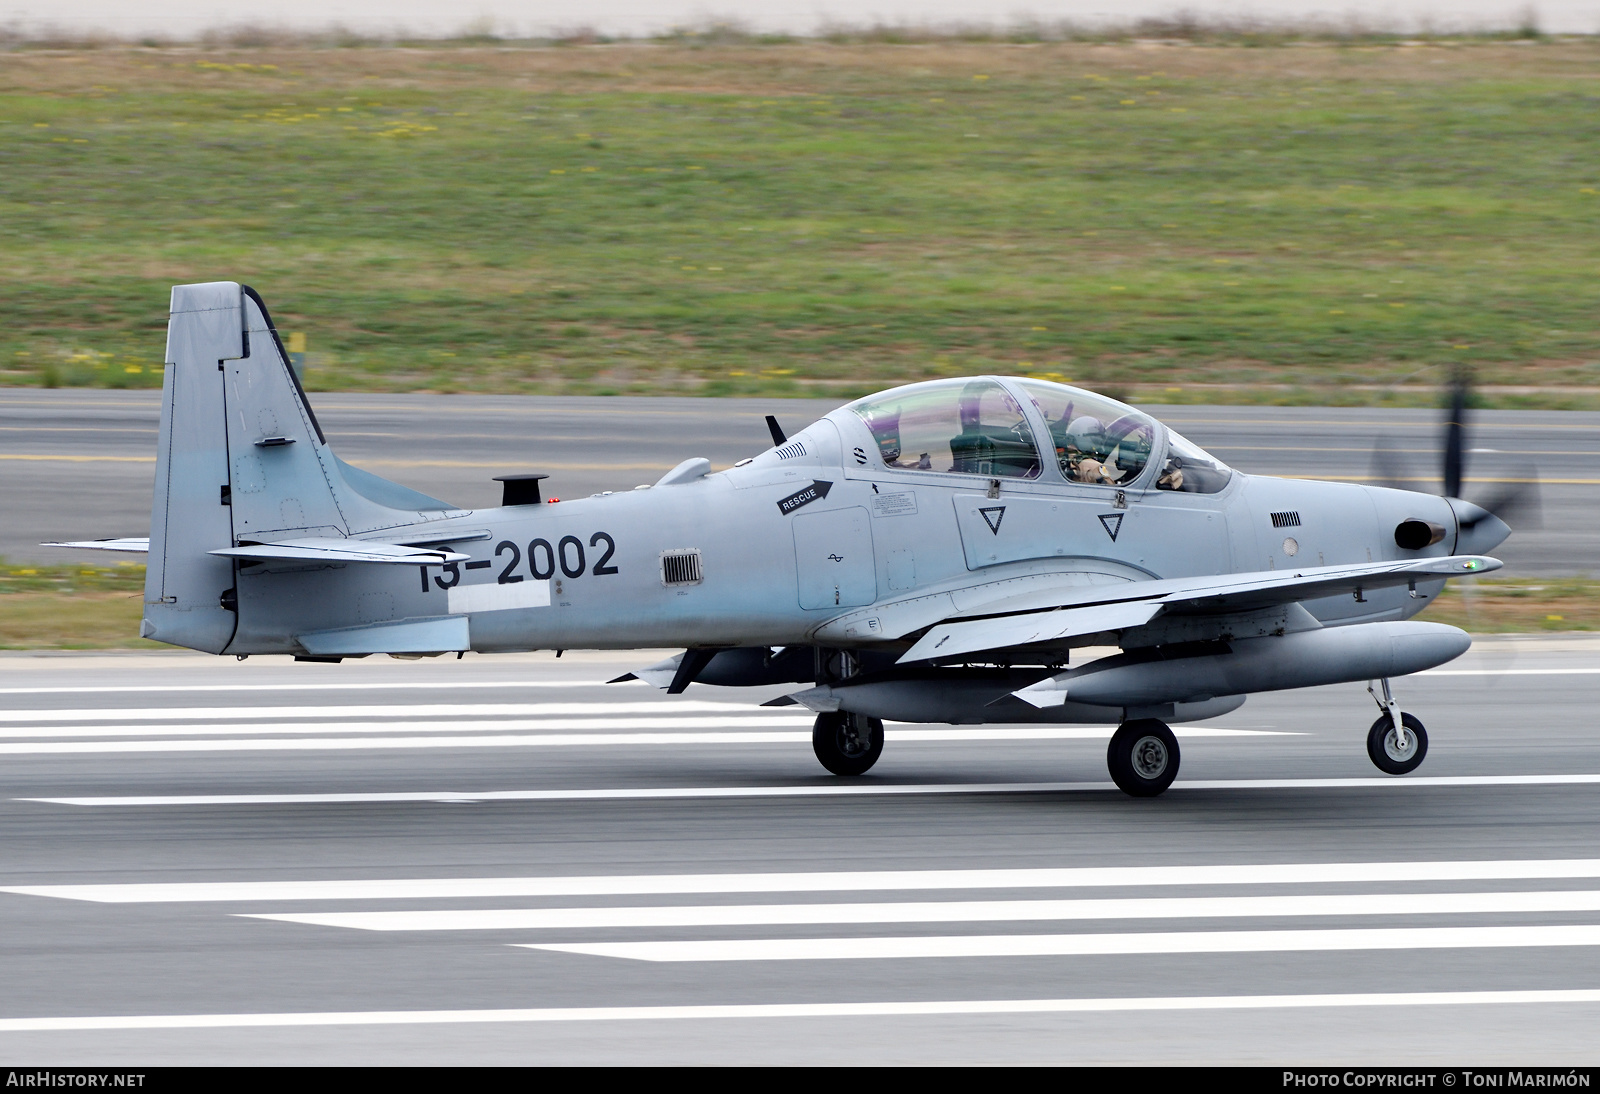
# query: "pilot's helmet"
1087,433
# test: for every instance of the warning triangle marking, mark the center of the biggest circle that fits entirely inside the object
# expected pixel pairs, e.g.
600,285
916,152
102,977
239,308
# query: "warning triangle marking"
1112,522
993,515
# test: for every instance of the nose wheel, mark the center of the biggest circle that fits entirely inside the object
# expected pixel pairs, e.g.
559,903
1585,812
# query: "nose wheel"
1143,757
1397,752
847,744
1397,742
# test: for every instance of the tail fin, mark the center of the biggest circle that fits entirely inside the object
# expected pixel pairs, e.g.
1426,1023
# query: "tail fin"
242,459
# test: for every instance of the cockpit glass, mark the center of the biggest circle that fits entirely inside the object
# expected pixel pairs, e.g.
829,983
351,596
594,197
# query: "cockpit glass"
1191,468
973,427
1097,440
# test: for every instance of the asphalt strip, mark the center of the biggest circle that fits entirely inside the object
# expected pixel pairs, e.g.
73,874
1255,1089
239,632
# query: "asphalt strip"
798,1010
816,790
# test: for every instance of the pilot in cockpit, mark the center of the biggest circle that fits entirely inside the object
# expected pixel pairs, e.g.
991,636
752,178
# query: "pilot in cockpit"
1090,452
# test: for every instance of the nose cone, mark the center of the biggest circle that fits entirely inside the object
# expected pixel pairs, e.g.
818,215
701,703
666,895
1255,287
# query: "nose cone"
1479,531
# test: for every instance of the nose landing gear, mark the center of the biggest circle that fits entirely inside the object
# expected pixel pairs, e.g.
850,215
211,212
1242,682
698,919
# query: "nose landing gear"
1397,742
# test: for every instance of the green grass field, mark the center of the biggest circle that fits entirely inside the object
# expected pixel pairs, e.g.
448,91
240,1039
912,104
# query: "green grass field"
1313,223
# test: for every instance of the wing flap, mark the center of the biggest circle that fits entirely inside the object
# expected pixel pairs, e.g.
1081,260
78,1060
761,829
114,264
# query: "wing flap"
328,549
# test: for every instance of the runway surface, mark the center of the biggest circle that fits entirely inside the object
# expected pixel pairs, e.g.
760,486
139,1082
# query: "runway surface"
78,464
502,859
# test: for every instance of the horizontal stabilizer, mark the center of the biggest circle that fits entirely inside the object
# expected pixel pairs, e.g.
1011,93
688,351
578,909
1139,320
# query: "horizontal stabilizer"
330,549
126,544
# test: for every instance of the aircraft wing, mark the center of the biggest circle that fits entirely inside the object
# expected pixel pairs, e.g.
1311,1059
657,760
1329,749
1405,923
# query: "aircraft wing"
1087,611
331,549
126,544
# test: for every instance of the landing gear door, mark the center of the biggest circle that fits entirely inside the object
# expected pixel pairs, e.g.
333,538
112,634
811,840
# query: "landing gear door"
834,559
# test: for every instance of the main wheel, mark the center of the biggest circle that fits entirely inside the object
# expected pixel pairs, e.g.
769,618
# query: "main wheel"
847,744
1392,755
1143,757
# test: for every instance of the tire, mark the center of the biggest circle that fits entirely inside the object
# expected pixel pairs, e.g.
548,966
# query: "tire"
847,744
1380,745
1143,757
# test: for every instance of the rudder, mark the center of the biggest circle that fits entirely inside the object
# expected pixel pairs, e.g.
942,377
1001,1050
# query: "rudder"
186,588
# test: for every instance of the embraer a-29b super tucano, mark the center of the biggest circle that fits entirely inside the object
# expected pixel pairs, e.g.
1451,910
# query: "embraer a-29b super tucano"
930,554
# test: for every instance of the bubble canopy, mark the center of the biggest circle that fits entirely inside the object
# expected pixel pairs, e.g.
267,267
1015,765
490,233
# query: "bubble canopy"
979,426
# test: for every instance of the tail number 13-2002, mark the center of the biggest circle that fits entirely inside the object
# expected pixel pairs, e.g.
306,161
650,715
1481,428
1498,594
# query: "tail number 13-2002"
543,560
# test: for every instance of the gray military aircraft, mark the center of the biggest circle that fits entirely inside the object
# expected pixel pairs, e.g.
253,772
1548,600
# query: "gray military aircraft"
933,553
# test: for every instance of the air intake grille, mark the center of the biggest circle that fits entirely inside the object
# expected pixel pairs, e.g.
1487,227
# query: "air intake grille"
1286,520
790,451
681,568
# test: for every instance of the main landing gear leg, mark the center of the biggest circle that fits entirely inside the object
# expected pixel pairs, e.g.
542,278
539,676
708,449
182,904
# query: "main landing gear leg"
1397,742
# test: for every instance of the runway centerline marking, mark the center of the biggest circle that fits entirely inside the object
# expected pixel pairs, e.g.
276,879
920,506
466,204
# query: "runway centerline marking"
599,723
948,911
387,710
1083,945
806,790
396,685
1068,877
461,737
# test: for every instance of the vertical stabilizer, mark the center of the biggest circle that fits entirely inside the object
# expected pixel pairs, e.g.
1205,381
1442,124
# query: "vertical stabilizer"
286,480
243,460
185,587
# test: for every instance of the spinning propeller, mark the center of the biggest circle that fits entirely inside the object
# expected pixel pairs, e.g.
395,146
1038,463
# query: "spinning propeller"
1514,497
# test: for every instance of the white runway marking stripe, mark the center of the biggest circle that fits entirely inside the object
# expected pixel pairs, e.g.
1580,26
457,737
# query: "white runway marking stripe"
808,790
337,744
646,793
201,729
467,684
1510,672
952,911
1292,873
589,738
1083,945
725,1012
411,710
463,683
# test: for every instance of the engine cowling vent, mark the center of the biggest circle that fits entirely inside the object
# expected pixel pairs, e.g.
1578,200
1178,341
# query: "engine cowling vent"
681,567
1286,520
1414,535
